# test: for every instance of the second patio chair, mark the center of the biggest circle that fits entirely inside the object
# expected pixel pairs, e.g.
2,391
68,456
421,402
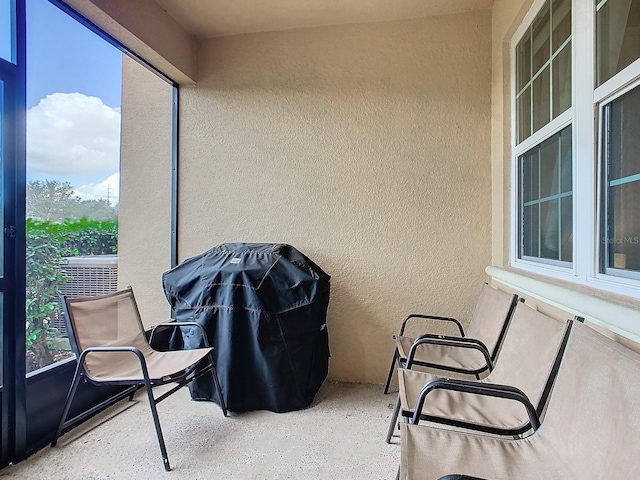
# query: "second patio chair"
528,362
472,352
108,338
589,431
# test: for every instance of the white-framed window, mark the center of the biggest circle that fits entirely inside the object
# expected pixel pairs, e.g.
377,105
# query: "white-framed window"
618,99
576,143
543,150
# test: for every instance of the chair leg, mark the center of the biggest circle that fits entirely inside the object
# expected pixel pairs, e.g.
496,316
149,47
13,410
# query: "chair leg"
394,419
67,403
391,370
156,421
216,382
133,393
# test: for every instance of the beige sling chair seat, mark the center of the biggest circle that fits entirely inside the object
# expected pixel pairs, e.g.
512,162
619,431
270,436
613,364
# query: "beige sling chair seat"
108,338
528,361
590,429
472,352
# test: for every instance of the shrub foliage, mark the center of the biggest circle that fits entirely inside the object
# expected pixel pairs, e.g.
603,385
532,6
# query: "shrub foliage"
48,244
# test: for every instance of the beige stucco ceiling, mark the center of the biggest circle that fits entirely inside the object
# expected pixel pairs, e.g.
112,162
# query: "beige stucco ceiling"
215,18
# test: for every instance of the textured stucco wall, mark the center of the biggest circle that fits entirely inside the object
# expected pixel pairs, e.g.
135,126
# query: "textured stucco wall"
365,146
144,236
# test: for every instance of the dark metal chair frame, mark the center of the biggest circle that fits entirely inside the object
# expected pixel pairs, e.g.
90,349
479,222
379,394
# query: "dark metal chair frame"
494,390
197,370
462,341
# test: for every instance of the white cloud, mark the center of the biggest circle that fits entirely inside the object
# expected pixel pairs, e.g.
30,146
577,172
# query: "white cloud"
107,189
71,134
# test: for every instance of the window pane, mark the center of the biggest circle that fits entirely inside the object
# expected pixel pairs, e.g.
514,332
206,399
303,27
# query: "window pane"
562,81
543,69
566,175
621,243
6,30
541,40
549,218
617,37
541,104
624,230
549,159
73,158
566,234
547,212
524,115
523,60
531,230
561,11
624,141
530,177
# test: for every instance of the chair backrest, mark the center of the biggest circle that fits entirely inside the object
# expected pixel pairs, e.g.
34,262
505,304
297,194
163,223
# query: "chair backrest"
491,317
590,428
531,353
104,320
593,418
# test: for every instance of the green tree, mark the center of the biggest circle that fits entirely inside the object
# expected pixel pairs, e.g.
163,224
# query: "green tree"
54,201
49,200
99,210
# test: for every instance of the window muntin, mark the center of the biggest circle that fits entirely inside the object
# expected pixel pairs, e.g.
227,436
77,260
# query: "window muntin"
546,228
543,69
617,37
620,246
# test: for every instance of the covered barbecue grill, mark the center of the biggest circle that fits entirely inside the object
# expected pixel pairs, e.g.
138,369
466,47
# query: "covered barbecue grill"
263,307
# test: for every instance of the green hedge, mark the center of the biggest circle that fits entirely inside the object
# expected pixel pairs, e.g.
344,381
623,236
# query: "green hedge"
47,244
78,237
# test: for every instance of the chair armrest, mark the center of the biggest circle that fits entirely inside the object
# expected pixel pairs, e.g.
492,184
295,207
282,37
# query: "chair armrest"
459,477
430,317
449,342
476,388
121,349
175,324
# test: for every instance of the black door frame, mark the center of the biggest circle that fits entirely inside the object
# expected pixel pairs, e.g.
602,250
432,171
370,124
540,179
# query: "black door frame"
14,190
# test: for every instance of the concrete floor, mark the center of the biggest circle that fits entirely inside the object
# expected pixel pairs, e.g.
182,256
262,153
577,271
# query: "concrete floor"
340,436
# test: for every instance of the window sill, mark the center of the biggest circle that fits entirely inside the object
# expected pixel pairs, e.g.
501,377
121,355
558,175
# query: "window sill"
618,314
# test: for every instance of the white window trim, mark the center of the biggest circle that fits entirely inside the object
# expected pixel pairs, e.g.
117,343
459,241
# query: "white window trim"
622,83
557,124
584,116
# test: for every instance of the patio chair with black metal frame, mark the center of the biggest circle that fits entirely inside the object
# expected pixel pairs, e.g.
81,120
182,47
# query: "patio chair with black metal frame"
528,362
472,352
109,340
589,430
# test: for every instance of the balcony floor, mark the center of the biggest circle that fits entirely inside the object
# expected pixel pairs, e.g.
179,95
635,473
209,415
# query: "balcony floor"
340,436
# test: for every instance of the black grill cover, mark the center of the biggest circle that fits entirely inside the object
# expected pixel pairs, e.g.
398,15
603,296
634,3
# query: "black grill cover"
263,307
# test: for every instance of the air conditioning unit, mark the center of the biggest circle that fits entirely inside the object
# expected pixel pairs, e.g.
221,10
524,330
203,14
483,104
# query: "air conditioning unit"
86,277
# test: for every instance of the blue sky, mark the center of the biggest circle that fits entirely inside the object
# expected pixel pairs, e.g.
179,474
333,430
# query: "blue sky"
73,101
